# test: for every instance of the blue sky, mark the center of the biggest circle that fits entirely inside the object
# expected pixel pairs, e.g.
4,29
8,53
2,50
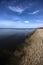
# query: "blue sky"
21,13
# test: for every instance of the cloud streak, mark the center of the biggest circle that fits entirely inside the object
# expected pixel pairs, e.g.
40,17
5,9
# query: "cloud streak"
16,9
39,21
10,24
35,12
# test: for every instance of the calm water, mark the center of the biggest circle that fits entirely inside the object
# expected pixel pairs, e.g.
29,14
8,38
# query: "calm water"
10,38
16,32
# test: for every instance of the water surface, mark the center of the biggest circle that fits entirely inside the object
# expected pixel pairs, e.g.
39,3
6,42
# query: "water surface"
10,38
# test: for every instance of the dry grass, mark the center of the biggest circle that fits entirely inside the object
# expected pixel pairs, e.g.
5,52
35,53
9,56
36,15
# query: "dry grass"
34,51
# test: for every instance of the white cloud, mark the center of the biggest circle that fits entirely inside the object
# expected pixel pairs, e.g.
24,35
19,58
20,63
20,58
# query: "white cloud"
36,25
40,21
16,9
26,22
10,24
34,12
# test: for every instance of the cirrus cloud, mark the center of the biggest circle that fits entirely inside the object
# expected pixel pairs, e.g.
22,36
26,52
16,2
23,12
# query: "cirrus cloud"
16,9
34,12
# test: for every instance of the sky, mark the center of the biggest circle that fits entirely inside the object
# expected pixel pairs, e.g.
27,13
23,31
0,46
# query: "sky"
21,13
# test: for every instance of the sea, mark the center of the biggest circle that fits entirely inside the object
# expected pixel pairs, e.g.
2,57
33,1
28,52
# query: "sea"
11,37
5,32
